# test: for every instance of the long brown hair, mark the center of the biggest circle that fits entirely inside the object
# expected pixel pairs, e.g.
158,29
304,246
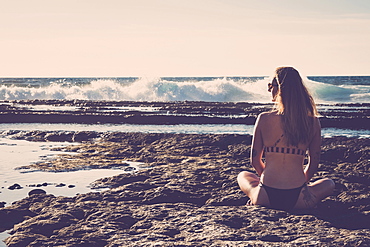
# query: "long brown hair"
296,106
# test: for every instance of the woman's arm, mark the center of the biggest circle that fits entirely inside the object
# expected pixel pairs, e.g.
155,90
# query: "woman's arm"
257,148
314,152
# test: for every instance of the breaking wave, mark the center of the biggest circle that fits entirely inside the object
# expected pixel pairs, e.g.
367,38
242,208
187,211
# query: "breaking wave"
162,89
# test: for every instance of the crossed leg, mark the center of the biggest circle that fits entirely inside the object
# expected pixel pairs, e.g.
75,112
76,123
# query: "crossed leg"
248,183
315,192
309,197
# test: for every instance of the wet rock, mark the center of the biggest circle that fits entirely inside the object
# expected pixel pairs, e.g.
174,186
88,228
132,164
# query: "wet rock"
11,216
23,239
84,136
39,185
60,185
36,191
59,137
129,169
90,112
15,187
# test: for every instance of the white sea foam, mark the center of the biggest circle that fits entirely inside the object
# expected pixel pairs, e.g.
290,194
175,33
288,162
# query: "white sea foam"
328,93
162,89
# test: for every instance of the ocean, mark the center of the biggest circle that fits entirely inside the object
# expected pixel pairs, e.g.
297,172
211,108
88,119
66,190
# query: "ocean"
325,89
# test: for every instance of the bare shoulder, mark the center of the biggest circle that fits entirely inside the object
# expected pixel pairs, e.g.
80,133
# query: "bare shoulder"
267,119
267,116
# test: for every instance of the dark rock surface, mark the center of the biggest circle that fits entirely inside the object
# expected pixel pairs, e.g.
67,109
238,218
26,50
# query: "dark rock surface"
15,187
353,116
37,192
186,194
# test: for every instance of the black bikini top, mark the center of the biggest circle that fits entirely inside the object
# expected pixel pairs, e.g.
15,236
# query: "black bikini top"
284,150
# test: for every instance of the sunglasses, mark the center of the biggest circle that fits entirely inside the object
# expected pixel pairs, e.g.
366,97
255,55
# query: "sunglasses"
271,85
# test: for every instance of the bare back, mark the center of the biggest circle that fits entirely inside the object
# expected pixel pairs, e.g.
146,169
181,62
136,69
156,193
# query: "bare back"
281,170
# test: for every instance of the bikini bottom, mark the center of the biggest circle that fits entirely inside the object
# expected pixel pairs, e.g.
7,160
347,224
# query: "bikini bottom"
284,199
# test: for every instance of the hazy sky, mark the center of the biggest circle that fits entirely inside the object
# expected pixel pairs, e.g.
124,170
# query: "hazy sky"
61,38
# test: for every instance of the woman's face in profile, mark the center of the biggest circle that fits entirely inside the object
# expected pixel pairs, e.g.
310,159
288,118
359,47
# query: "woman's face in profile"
273,87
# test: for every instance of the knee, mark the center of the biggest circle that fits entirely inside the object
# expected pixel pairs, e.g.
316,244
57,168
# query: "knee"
322,188
247,178
244,175
241,176
331,184
247,181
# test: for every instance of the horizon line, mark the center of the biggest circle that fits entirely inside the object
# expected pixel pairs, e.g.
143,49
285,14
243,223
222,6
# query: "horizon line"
176,76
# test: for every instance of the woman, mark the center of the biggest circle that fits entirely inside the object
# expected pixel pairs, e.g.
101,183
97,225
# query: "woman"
284,135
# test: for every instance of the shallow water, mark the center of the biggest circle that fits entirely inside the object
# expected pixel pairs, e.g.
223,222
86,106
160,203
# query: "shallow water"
3,236
15,153
179,128
240,129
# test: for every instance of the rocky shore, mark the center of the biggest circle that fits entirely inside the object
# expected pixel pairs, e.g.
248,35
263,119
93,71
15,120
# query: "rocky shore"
352,116
185,194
